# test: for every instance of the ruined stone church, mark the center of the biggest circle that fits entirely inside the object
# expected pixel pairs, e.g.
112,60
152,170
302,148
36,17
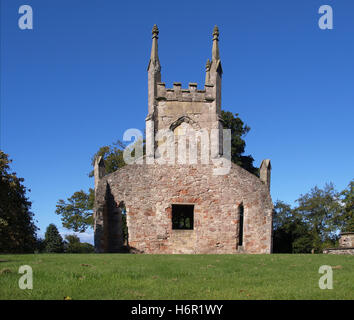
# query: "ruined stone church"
183,207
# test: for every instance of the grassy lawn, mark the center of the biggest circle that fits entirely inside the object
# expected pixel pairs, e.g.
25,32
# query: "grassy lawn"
126,276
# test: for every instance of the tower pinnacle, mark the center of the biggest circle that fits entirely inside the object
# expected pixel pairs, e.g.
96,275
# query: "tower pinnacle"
154,49
216,32
155,31
154,70
215,51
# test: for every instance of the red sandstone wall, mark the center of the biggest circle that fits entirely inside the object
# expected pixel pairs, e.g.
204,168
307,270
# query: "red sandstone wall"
148,192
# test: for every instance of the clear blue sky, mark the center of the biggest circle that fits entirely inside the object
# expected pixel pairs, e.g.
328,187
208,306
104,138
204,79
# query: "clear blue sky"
78,80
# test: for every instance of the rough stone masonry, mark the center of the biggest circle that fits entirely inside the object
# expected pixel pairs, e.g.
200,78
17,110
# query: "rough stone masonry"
183,208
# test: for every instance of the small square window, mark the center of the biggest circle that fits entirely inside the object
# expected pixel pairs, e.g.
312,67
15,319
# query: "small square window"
182,216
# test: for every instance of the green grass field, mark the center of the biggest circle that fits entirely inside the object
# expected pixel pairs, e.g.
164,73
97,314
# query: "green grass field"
128,276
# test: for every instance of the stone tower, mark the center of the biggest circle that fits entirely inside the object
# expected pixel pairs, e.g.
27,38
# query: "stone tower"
168,108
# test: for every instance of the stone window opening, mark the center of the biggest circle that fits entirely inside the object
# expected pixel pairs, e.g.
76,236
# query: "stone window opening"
240,230
182,217
123,210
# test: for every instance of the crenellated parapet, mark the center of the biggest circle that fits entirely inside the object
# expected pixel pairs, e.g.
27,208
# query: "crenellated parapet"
192,94
211,93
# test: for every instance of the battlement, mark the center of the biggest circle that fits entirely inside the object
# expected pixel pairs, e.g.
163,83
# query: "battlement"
192,94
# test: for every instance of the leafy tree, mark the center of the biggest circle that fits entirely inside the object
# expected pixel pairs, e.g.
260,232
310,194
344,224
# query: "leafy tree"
319,210
282,224
76,213
53,241
291,234
17,228
238,144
